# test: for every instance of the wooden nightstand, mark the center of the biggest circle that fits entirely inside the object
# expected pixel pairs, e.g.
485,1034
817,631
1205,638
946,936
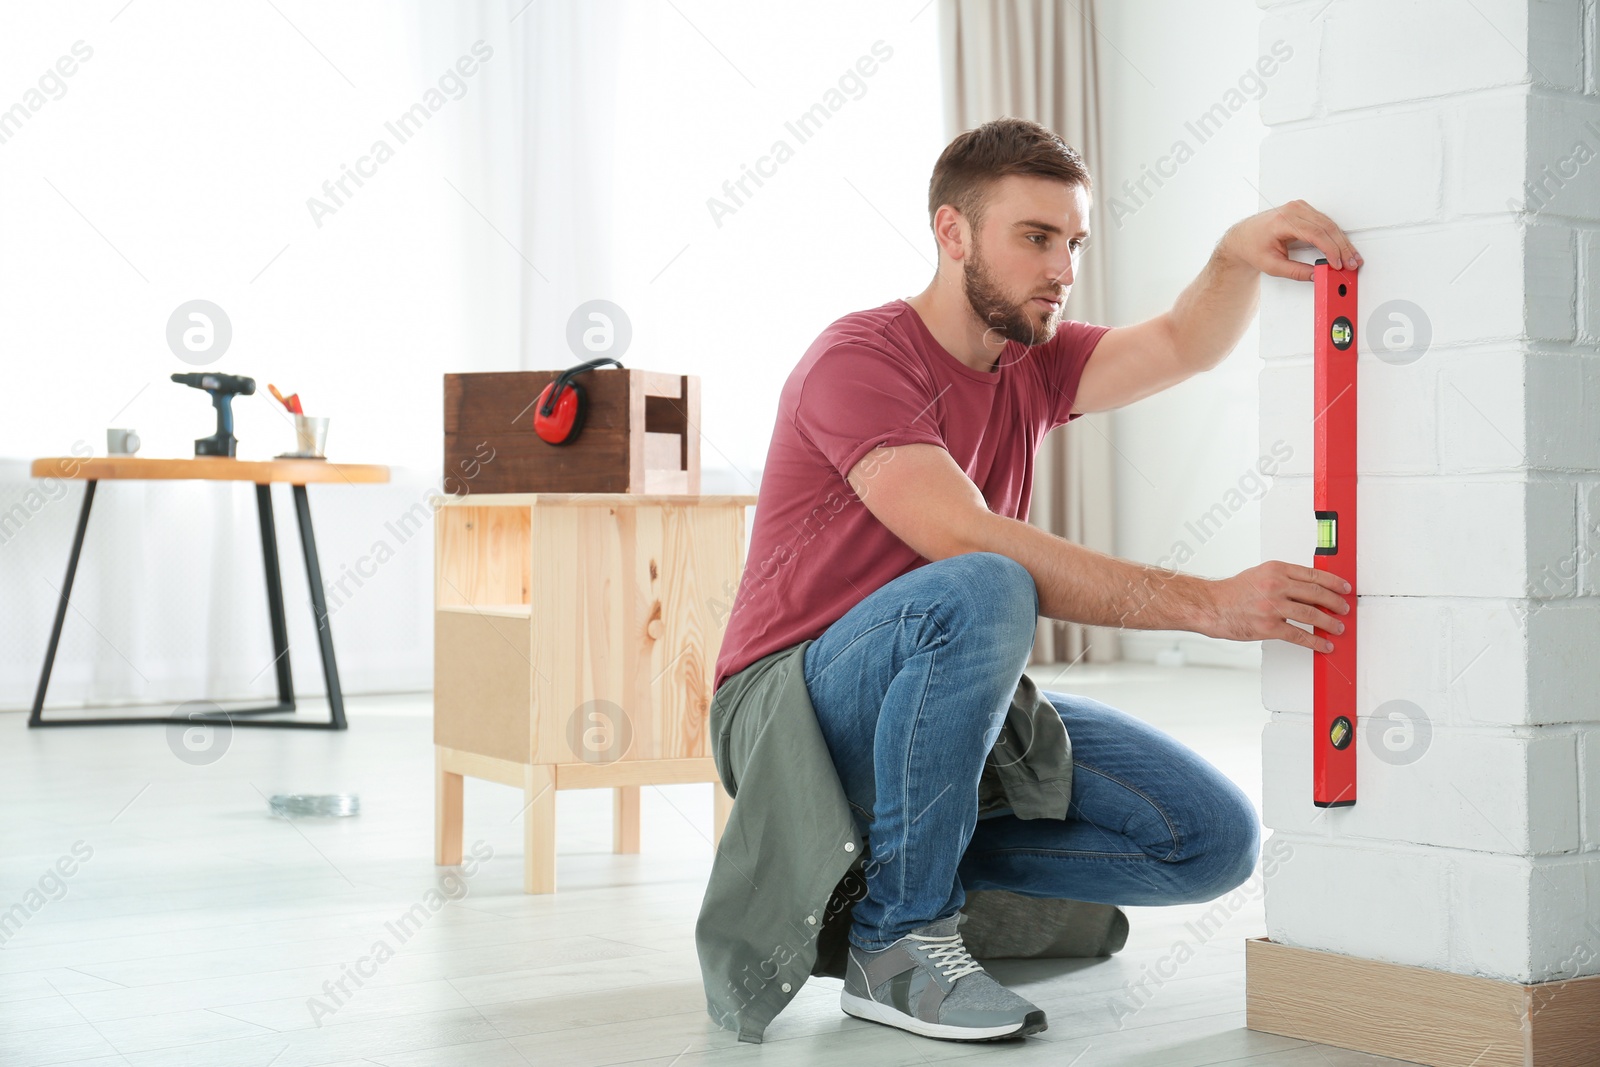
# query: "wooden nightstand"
575,640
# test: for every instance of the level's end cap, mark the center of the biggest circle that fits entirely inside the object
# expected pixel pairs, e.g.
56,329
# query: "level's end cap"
1321,263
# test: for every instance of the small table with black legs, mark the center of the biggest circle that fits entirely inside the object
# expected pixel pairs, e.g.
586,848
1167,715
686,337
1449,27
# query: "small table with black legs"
298,473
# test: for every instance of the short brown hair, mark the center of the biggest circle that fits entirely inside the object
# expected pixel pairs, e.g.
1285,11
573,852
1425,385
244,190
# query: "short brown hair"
976,159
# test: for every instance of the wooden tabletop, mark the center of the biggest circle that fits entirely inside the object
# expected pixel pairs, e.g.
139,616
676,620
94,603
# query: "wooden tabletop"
209,468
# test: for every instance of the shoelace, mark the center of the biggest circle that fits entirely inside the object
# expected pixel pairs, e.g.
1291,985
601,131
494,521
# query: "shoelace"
949,955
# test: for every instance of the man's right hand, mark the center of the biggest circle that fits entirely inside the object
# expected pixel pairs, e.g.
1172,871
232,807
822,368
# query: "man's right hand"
1258,604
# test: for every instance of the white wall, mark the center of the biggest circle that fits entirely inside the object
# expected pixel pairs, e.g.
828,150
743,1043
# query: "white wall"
1474,842
179,161
840,226
1180,452
176,163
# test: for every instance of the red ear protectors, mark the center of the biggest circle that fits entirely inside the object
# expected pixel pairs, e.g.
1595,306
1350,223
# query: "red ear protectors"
558,416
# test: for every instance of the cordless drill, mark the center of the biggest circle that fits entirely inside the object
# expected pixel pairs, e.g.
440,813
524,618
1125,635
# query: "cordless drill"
223,388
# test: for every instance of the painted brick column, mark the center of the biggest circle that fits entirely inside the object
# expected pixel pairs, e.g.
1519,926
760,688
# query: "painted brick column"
1459,144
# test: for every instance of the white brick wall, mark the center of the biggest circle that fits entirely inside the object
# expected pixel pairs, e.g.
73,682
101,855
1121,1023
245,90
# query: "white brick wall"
1484,789
1490,535
1377,53
1482,409
1589,775
1588,555
1464,660
1399,178
1459,144
1450,909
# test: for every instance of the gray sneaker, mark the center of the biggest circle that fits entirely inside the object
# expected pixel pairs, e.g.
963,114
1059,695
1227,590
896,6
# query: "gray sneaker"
929,984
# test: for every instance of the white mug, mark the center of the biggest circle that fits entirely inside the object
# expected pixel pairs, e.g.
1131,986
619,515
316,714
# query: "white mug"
122,442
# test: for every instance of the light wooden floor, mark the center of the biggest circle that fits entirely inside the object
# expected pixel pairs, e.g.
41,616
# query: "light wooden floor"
200,929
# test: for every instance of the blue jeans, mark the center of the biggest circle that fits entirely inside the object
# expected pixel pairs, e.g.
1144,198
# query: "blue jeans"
911,687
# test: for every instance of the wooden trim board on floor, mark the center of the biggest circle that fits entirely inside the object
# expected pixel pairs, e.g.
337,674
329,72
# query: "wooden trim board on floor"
1419,1014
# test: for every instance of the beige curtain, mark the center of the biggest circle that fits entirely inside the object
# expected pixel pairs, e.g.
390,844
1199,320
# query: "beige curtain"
1035,59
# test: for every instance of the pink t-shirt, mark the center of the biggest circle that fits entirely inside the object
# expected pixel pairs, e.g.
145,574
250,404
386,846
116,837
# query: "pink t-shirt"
875,378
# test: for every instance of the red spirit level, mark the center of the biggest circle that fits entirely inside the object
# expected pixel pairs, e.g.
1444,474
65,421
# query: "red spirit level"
1333,674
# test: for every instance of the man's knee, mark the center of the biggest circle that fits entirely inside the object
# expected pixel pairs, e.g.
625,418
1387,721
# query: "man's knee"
995,587
1228,856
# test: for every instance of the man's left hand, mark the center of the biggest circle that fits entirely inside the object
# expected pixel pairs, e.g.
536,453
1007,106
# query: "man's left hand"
1262,241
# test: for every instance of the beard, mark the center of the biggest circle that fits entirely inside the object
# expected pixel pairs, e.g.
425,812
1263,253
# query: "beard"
1019,322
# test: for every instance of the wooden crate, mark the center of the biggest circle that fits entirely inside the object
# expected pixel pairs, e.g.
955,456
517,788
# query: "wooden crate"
641,434
575,640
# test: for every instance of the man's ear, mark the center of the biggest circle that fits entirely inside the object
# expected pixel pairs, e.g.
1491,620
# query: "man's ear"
951,230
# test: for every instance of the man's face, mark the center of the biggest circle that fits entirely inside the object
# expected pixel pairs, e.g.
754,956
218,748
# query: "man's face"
1024,252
